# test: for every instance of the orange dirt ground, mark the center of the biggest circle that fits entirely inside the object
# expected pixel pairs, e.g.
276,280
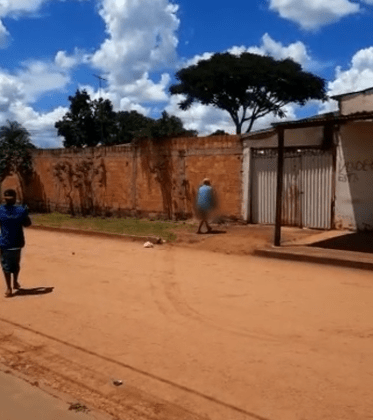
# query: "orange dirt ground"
192,334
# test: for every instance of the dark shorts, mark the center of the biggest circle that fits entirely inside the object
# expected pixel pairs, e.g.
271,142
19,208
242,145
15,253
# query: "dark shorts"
203,214
10,260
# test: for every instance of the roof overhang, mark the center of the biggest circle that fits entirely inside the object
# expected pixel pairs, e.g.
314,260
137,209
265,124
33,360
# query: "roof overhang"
356,93
326,119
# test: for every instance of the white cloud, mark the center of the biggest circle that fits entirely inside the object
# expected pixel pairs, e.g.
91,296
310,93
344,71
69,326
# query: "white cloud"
8,7
296,51
39,125
13,8
68,62
38,77
4,36
10,91
207,119
358,77
145,90
141,38
25,86
312,14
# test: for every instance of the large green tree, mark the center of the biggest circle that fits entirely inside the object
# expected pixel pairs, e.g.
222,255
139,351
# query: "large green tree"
247,86
90,123
15,152
169,126
130,125
87,123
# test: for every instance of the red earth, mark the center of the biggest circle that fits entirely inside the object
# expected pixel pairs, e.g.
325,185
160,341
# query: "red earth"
193,334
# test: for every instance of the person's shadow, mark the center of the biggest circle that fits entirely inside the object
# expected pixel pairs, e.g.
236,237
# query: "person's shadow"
214,231
33,291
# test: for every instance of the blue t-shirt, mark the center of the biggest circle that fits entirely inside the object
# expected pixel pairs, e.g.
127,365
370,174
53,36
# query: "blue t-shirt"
12,220
205,198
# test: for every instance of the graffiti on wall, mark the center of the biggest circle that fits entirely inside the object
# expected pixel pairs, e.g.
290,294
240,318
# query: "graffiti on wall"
349,171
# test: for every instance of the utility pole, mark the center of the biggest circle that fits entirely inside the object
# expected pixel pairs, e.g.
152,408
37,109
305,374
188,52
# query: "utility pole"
100,100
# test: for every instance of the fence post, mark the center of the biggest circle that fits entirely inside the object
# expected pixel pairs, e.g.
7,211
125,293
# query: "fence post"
280,172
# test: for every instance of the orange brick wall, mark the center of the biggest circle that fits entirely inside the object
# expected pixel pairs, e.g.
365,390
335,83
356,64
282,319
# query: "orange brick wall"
147,179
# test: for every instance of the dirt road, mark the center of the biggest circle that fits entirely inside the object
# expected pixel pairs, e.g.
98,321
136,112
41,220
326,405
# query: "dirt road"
192,334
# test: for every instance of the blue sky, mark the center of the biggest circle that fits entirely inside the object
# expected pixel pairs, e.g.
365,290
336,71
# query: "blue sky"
51,48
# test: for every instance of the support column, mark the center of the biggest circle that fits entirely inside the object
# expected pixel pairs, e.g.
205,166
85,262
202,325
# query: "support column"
280,173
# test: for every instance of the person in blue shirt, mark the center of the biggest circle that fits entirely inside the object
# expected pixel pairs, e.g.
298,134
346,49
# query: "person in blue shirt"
206,202
12,220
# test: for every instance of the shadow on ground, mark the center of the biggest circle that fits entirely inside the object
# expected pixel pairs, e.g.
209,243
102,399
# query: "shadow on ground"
33,291
358,242
214,232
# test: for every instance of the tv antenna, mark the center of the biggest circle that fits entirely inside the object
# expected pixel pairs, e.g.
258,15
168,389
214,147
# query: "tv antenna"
100,79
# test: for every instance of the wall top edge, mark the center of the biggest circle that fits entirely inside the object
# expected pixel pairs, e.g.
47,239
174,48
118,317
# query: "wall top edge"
190,143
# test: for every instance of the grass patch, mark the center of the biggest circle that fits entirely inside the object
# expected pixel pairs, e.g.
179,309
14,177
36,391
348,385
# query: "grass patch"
131,226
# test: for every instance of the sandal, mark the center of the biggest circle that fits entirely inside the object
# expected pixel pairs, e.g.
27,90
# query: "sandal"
8,293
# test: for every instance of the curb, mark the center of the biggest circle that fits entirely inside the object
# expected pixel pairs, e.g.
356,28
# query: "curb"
348,259
133,238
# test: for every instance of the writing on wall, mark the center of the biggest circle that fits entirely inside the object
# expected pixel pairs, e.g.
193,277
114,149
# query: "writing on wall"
349,171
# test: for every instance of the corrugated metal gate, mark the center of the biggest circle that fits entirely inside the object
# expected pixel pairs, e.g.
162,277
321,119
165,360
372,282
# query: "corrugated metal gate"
307,188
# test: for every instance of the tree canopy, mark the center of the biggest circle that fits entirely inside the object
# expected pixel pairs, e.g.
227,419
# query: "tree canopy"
87,122
90,123
248,86
15,151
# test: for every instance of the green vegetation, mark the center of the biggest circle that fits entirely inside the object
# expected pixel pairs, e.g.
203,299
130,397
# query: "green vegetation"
94,122
131,226
15,151
248,86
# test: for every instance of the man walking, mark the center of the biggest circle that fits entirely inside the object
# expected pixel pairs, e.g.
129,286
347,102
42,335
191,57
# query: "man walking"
12,220
206,202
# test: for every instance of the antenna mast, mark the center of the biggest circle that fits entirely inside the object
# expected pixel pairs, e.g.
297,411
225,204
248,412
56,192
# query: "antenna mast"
99,92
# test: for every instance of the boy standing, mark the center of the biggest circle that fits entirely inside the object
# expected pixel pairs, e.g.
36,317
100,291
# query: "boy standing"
12,220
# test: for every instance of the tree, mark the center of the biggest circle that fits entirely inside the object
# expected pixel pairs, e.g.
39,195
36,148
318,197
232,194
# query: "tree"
130,125
87,123
77,125
90,123
169,126
15,152
248,86
104,120
219,133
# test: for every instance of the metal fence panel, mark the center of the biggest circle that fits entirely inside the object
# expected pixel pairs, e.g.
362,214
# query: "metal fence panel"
317,187
307,187
264,189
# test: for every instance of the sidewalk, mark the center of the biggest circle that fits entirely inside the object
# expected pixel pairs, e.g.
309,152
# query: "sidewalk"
332,248
20,400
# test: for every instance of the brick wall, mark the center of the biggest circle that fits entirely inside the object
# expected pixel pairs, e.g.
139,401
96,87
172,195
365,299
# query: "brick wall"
148,179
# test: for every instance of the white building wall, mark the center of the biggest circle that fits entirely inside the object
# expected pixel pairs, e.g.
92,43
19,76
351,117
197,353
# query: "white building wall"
354,177
362,102
295,137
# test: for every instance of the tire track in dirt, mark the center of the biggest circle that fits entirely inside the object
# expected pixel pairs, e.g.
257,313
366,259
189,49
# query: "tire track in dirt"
172,297
65,375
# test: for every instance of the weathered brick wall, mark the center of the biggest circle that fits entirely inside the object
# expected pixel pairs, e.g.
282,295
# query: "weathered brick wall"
151,178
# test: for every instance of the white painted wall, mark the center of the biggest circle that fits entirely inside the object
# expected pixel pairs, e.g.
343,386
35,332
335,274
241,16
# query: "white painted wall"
310,136
362,102
354,177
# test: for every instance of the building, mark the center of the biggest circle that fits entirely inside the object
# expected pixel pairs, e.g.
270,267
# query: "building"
328,168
